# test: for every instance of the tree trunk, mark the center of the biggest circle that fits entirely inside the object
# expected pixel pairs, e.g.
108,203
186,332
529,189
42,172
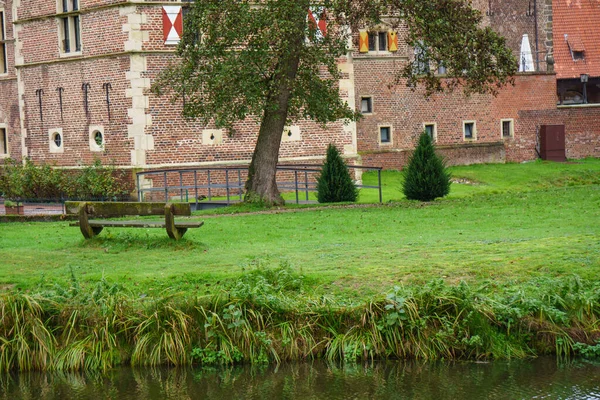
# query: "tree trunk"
261,186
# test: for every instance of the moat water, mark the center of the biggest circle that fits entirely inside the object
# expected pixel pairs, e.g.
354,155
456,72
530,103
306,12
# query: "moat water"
534,379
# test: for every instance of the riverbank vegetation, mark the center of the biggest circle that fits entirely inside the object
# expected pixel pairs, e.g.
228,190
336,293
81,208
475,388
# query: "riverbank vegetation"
505,267
267,316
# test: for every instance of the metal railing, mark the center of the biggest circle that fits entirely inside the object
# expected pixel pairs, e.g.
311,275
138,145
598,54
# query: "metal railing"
226,184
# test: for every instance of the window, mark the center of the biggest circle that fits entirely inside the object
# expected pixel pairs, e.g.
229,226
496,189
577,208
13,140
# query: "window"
578,55
57,144
385,134
70,26
576,47
469,130
378,41
366,105
508,128
421,63
3,53
97,140
3,142
430,129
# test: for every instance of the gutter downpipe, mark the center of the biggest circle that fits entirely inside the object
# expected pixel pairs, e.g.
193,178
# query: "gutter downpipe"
537,49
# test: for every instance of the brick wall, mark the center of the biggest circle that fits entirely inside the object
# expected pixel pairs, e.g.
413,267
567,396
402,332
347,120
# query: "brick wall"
74,121
9,106
101,33
530,103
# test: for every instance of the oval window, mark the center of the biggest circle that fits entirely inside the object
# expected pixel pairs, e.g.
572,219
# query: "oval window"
57,139
98,138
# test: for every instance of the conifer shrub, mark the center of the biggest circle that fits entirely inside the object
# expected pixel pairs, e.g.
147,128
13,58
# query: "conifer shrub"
334,184
425,177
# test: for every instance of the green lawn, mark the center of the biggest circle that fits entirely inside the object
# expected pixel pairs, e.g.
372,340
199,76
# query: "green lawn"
507,223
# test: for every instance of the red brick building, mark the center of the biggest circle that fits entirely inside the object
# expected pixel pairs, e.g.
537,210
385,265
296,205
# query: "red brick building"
75,78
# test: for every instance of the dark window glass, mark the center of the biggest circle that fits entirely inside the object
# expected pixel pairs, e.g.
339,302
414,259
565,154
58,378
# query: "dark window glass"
385,134
3,56
75,5
578,55
506,128
65,4
57,139
429,130
66,34
77,33
382,41
3,142
366,105
372,41
98,138
469,127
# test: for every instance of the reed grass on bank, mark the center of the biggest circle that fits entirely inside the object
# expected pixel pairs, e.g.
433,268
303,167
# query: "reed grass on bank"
267,316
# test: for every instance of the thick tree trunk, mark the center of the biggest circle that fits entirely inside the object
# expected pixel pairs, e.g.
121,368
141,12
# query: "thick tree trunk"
261,186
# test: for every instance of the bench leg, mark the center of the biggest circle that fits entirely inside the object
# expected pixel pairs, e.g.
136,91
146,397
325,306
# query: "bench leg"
177,233
90,232
173,232
87,231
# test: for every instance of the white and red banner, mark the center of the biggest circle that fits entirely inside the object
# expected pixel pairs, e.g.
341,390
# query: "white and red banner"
318,17
172,24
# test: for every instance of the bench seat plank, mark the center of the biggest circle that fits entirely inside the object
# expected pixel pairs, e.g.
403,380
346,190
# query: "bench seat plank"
138,224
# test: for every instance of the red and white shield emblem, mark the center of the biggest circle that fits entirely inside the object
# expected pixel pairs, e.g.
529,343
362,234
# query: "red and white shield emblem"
317,17
172,24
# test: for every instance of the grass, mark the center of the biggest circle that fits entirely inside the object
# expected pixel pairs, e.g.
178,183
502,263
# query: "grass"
543,223
505,267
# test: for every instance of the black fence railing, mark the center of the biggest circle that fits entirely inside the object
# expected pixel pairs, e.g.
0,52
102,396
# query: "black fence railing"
226,184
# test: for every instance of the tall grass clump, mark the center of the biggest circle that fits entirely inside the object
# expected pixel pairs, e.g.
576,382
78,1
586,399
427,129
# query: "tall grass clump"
334,184
269,315
425,177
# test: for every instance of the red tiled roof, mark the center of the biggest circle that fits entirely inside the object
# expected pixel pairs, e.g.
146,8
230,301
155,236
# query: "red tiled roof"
576,25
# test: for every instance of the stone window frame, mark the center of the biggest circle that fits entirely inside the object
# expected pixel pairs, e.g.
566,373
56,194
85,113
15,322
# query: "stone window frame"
3,44
69,27
370,100
94,145
374,33
4,147
473,133
391,134
512,128
377,34
434,133
54,148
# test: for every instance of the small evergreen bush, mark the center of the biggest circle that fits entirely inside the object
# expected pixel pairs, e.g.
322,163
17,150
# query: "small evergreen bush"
335,184
425,177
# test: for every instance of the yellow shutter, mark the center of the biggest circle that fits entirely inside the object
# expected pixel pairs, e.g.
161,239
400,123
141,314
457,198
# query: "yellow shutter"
363,43
392,41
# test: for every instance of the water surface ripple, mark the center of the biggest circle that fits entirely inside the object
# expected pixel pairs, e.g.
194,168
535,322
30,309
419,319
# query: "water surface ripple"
537,379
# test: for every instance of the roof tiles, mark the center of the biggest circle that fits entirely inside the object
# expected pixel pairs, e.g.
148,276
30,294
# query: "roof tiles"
576,25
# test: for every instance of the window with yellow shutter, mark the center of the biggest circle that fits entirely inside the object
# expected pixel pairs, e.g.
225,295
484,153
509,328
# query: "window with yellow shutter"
378,42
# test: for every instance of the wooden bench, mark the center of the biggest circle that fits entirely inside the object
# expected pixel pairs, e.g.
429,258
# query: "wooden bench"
93,209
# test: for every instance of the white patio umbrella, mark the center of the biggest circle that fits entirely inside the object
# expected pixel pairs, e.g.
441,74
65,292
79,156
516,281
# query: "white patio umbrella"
526,57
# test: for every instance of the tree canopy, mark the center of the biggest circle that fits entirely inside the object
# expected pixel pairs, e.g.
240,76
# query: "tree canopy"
266,59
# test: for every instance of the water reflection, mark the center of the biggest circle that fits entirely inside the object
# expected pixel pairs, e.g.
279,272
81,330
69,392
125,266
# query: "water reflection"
542,379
